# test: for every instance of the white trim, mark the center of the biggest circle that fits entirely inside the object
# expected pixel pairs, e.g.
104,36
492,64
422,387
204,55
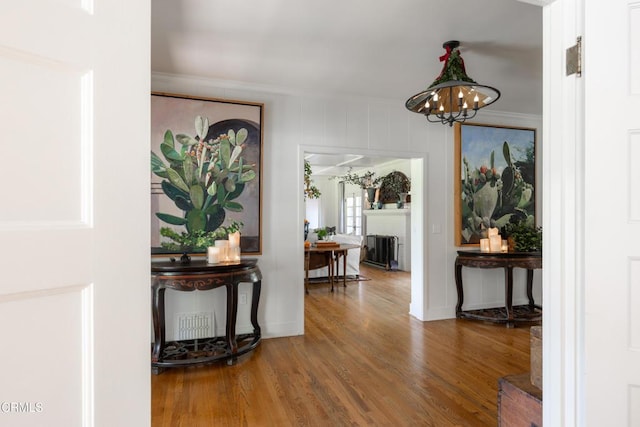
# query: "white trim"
168,80
488,115
537,2
386,212
563,173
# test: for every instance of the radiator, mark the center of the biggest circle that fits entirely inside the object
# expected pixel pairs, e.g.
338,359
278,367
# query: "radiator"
194,325
381,251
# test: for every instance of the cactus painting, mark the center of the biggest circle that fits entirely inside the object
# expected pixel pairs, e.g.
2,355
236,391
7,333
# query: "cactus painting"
495,179
208,176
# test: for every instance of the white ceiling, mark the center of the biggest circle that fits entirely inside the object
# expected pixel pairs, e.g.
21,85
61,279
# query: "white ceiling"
323,164
373,48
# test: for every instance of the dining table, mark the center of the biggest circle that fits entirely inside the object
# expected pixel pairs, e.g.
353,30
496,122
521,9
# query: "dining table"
327,255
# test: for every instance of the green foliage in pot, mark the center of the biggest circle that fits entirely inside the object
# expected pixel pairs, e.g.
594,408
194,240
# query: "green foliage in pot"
365,180
197,240
527,238
321,232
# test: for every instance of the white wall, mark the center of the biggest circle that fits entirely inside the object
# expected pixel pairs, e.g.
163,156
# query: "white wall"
299,123
327,205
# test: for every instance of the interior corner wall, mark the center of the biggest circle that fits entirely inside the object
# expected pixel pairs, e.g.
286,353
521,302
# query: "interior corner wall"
295,123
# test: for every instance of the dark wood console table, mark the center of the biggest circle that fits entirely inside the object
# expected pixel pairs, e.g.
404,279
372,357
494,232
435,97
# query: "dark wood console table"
508,261
198,275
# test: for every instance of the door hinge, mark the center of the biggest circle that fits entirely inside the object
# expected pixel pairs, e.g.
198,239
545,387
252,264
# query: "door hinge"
574,58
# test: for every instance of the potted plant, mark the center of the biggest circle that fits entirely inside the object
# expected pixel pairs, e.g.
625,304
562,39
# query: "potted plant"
366,181
321,233
197,240
523,237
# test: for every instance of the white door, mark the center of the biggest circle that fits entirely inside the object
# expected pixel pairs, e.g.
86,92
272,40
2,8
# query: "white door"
74,257
612,212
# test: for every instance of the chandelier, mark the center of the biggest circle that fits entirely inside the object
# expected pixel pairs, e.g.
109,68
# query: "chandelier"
453,96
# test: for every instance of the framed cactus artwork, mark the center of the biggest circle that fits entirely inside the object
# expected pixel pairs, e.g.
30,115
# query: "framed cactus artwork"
495,179
206,173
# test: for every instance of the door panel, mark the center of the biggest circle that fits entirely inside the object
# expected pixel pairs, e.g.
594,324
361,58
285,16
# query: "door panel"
612,257
74,256
52,341
36,137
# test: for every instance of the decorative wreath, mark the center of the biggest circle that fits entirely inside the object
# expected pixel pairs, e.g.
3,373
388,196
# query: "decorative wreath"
393,184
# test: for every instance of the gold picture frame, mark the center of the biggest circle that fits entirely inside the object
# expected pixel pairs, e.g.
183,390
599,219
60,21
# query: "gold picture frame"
195,197
494,178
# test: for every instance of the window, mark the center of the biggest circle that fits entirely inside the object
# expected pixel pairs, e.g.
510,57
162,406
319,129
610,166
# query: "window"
353,213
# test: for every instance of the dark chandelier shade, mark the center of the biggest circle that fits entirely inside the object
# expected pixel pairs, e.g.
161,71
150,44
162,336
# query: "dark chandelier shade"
453,96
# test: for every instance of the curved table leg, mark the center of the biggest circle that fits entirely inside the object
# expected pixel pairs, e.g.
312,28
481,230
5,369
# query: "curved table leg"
532,303
458,270
255,299
508,295
232,313
157,310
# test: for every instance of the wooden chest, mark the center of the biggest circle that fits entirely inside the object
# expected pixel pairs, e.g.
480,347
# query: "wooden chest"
519,402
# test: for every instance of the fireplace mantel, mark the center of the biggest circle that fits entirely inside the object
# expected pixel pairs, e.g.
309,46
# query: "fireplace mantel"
386,212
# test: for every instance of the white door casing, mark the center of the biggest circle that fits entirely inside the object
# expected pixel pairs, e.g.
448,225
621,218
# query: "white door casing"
591,337
562,154
74,257
612,212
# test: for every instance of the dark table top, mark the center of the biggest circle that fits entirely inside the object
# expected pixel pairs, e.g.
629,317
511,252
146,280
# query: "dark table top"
478,253
201,266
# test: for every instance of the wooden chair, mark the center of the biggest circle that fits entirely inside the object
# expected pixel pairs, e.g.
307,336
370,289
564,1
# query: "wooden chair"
314,260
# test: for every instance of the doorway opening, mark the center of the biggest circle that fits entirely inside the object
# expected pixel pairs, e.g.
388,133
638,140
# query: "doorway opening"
346,208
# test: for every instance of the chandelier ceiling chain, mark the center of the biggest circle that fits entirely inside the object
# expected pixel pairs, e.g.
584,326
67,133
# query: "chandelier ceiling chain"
453,96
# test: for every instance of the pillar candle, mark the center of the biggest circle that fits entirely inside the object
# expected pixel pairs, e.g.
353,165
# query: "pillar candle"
234,239
234,253
505,246
213,255
492,232
484,245
495,243
223,245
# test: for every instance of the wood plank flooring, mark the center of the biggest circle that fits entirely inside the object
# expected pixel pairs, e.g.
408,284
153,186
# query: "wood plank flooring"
362,361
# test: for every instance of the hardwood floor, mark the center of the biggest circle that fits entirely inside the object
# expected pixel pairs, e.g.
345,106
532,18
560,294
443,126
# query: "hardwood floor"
362,361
